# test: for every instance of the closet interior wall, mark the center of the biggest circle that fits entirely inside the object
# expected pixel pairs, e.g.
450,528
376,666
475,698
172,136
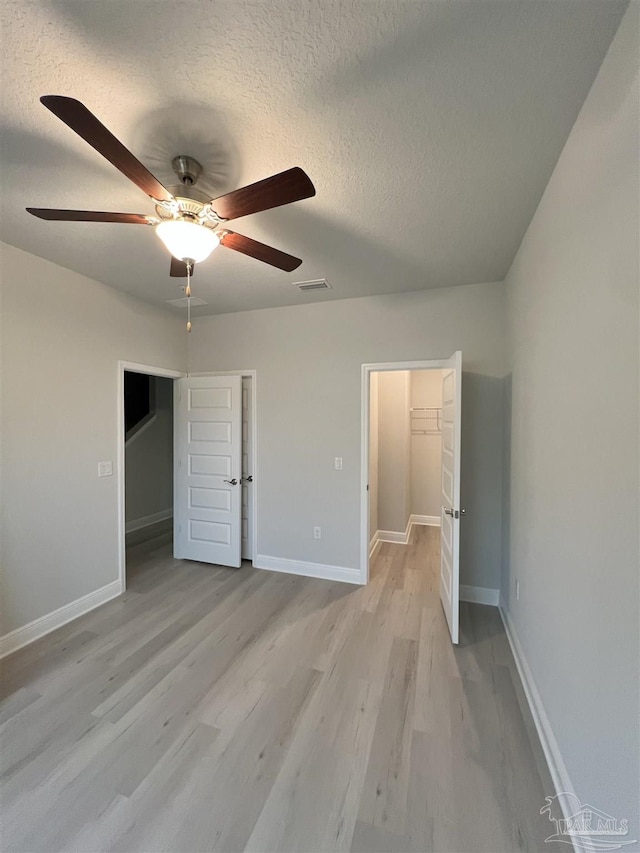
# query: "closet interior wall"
404,451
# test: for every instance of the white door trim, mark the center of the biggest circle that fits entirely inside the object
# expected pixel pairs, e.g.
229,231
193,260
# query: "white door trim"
366,371
253,375
151,370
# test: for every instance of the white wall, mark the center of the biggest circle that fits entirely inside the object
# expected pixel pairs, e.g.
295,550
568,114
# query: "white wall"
394,451
373,455
149,459
426,449
308,361
62,337
572,541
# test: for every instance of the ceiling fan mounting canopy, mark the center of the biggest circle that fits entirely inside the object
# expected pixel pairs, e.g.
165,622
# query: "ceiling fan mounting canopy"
187,169
194,223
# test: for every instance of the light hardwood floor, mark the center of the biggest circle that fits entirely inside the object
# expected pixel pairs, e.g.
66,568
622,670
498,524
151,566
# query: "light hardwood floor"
230,710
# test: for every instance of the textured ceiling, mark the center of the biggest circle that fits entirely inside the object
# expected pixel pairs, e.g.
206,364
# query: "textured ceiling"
430,130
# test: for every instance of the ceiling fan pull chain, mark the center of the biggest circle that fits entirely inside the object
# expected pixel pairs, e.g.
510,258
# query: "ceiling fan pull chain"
188,295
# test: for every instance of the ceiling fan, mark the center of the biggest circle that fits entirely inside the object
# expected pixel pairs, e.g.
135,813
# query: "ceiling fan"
190,225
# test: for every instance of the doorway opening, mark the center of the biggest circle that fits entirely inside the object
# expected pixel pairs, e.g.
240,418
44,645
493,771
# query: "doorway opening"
405,436
145,458
148,456
410,464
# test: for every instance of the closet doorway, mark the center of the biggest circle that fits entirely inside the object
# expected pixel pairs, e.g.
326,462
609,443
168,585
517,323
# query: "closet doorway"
411,427
405,437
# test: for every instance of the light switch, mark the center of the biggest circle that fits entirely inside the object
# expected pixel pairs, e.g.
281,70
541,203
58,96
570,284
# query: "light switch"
338,463
105,469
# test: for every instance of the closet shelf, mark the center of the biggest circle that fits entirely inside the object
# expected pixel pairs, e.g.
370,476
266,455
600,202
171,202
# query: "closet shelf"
426,420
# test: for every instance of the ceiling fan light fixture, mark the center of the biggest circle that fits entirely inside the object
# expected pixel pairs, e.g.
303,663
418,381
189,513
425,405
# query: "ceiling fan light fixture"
187,241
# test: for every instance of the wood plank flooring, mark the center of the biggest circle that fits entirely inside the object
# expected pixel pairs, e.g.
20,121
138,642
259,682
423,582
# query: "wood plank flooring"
210,709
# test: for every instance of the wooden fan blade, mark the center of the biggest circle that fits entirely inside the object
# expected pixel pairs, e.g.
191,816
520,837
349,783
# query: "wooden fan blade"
76,116
292,185
90,216
179,268
260,251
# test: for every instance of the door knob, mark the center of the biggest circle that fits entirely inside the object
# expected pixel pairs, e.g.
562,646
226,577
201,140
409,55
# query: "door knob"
454,512
248,479
233,482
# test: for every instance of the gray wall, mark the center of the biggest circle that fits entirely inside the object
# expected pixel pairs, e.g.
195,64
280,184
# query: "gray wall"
62,337
394,451
572,532
426,449
308,361
149,459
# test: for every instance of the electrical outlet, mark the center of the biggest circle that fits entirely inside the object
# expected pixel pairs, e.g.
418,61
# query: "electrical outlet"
317,532
338,463
517,590
105,469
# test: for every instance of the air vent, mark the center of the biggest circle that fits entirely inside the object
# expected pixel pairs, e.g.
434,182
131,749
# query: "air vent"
317,284
182,303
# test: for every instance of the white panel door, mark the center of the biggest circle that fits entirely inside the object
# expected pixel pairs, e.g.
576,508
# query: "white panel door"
450,520
208,448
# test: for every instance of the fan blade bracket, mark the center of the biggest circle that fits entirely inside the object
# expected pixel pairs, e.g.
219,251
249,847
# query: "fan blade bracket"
208,214
170,207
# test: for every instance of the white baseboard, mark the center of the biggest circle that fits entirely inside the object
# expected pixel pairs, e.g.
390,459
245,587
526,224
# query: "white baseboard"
480,595
148,520
430,520
374,544
309,570
399,536
393,536
20,637
552,754
402,537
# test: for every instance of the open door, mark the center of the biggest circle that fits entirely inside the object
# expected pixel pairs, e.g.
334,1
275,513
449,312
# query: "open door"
450,520
208,450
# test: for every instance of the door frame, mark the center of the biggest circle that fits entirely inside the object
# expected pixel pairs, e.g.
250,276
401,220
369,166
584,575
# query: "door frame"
253,375
150,370
365,416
